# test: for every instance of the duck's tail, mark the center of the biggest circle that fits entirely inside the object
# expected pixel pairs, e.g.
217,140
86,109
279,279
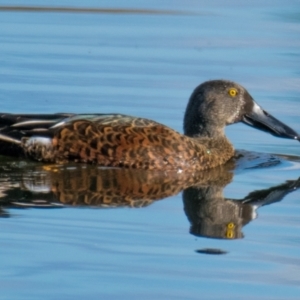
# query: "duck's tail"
14,129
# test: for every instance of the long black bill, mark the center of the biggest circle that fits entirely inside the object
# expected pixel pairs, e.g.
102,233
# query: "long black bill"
262,120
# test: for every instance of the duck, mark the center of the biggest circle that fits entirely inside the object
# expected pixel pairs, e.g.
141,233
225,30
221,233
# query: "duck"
123,141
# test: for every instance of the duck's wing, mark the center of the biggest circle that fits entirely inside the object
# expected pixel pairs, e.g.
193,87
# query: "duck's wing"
105,139
71,136
118,141
18,125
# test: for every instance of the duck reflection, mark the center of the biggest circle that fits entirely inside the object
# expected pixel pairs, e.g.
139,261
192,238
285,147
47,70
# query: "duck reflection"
210,214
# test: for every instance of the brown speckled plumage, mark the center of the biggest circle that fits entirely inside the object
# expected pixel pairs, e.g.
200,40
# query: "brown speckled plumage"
130,142
122,141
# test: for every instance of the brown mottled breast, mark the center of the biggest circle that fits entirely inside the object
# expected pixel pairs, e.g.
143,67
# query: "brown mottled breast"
122,141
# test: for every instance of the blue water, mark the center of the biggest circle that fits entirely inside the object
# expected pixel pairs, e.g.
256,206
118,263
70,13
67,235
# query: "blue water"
147,64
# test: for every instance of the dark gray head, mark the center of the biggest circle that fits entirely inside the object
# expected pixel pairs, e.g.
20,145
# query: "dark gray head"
217,103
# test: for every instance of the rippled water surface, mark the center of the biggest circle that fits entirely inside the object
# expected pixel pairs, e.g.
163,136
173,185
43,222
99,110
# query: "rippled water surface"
145,58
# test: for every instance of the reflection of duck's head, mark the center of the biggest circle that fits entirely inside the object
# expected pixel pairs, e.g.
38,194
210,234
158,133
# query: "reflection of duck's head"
211,215
217,103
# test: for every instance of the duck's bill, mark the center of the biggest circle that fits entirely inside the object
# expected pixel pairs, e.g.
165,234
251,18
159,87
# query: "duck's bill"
262,120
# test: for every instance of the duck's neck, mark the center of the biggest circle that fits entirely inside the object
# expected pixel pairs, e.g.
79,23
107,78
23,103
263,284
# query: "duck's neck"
200,130
213,151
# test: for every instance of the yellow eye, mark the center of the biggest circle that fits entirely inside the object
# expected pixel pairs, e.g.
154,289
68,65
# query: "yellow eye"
232,92
230,234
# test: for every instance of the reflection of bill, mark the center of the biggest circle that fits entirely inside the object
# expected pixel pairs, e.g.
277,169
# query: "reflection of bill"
210,214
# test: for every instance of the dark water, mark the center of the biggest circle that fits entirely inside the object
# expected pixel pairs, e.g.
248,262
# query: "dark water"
145,59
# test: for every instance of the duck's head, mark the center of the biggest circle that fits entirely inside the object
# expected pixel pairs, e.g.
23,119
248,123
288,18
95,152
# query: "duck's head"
217,103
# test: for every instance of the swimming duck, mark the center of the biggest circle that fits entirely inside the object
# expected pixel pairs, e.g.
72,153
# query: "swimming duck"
124,141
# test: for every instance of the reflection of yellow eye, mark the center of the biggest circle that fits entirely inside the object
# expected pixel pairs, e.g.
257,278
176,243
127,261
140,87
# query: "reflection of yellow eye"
232,92
230,234
230,225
